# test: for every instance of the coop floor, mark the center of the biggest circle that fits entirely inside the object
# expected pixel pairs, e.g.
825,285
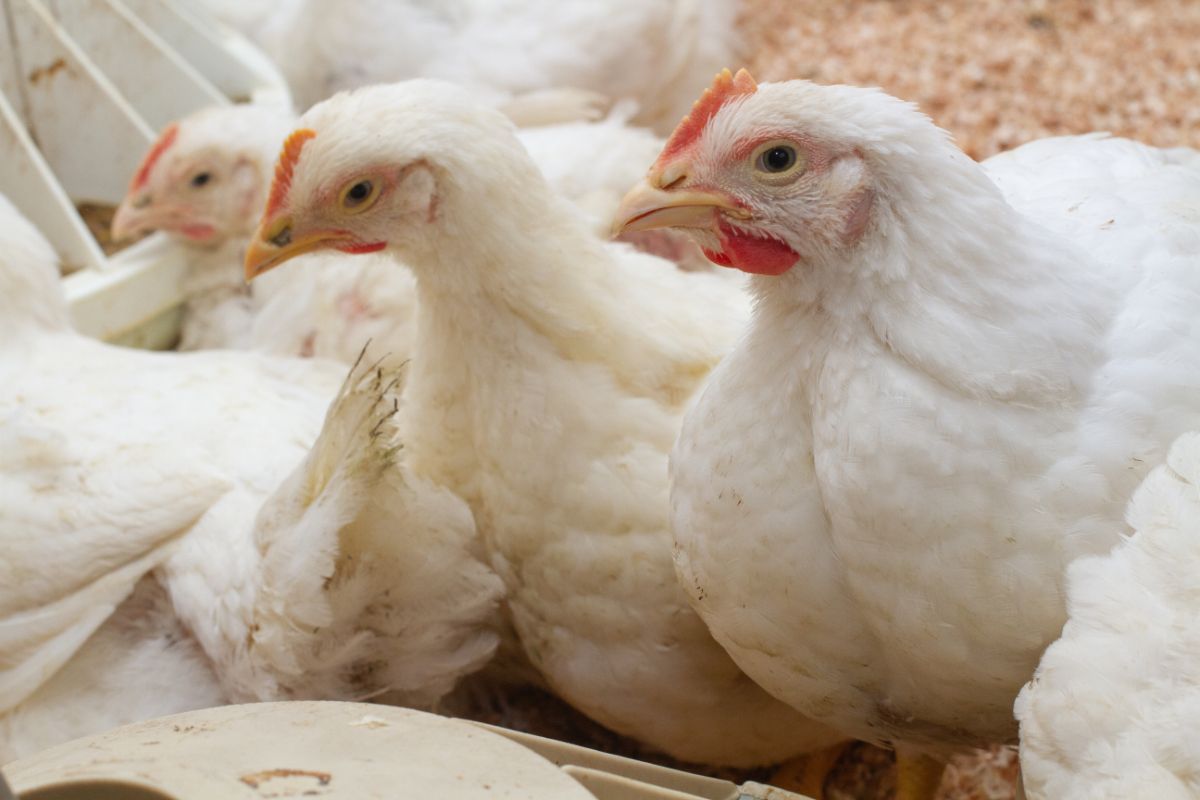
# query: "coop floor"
996,73
862,773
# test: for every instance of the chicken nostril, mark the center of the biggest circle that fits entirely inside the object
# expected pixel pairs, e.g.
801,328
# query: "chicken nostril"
283,238
142,201
671,176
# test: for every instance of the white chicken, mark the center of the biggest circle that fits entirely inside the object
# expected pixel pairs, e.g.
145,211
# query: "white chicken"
206,178
943,397
182,530
547,384
204,181
657,52
1114,709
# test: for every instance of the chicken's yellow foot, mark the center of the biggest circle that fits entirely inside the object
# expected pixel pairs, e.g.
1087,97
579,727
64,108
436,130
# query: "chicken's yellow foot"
807,774
917,776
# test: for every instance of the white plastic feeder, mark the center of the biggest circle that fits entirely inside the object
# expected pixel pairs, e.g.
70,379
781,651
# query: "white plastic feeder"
346,751
85,85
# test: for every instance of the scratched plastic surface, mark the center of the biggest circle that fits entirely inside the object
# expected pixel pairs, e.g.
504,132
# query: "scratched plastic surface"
342,751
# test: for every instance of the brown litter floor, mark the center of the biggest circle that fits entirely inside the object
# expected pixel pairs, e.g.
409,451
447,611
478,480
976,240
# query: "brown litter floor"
997,73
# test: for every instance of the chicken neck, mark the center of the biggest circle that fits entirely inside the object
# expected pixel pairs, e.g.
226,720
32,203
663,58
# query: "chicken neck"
956,283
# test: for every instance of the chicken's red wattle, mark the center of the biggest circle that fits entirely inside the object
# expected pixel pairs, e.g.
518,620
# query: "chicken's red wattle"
755,254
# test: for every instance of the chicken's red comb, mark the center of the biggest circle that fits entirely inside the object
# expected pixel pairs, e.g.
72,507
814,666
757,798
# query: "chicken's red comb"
725,87
165,140
288,156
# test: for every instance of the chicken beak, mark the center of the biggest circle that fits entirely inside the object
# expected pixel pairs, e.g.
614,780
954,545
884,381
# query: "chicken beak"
648,206
274,244
135,215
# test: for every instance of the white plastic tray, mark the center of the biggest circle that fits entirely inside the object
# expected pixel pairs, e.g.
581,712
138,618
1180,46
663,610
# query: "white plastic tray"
346,751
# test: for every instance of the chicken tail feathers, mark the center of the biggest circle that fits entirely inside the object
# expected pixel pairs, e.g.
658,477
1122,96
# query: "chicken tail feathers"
369,581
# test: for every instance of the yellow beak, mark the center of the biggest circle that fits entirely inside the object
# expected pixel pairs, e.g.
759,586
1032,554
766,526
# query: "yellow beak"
273,244
135,216
647,206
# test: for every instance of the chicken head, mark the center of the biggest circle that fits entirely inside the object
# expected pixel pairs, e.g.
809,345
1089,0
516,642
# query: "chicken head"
760,177
204,178
381,167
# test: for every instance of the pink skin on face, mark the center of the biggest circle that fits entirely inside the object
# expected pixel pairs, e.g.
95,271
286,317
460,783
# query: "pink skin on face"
356,249
740,250
196,231
766,255
759,255
328,196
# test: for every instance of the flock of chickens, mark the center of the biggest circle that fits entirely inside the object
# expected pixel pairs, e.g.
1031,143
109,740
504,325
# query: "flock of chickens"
928,466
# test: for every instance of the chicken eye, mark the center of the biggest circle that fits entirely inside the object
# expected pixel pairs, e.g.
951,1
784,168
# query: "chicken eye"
359,195
779,158
777,162
201,179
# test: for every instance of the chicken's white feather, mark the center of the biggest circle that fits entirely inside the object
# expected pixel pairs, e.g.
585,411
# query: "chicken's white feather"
1114,708
550,372
136,547
878,491
657,52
